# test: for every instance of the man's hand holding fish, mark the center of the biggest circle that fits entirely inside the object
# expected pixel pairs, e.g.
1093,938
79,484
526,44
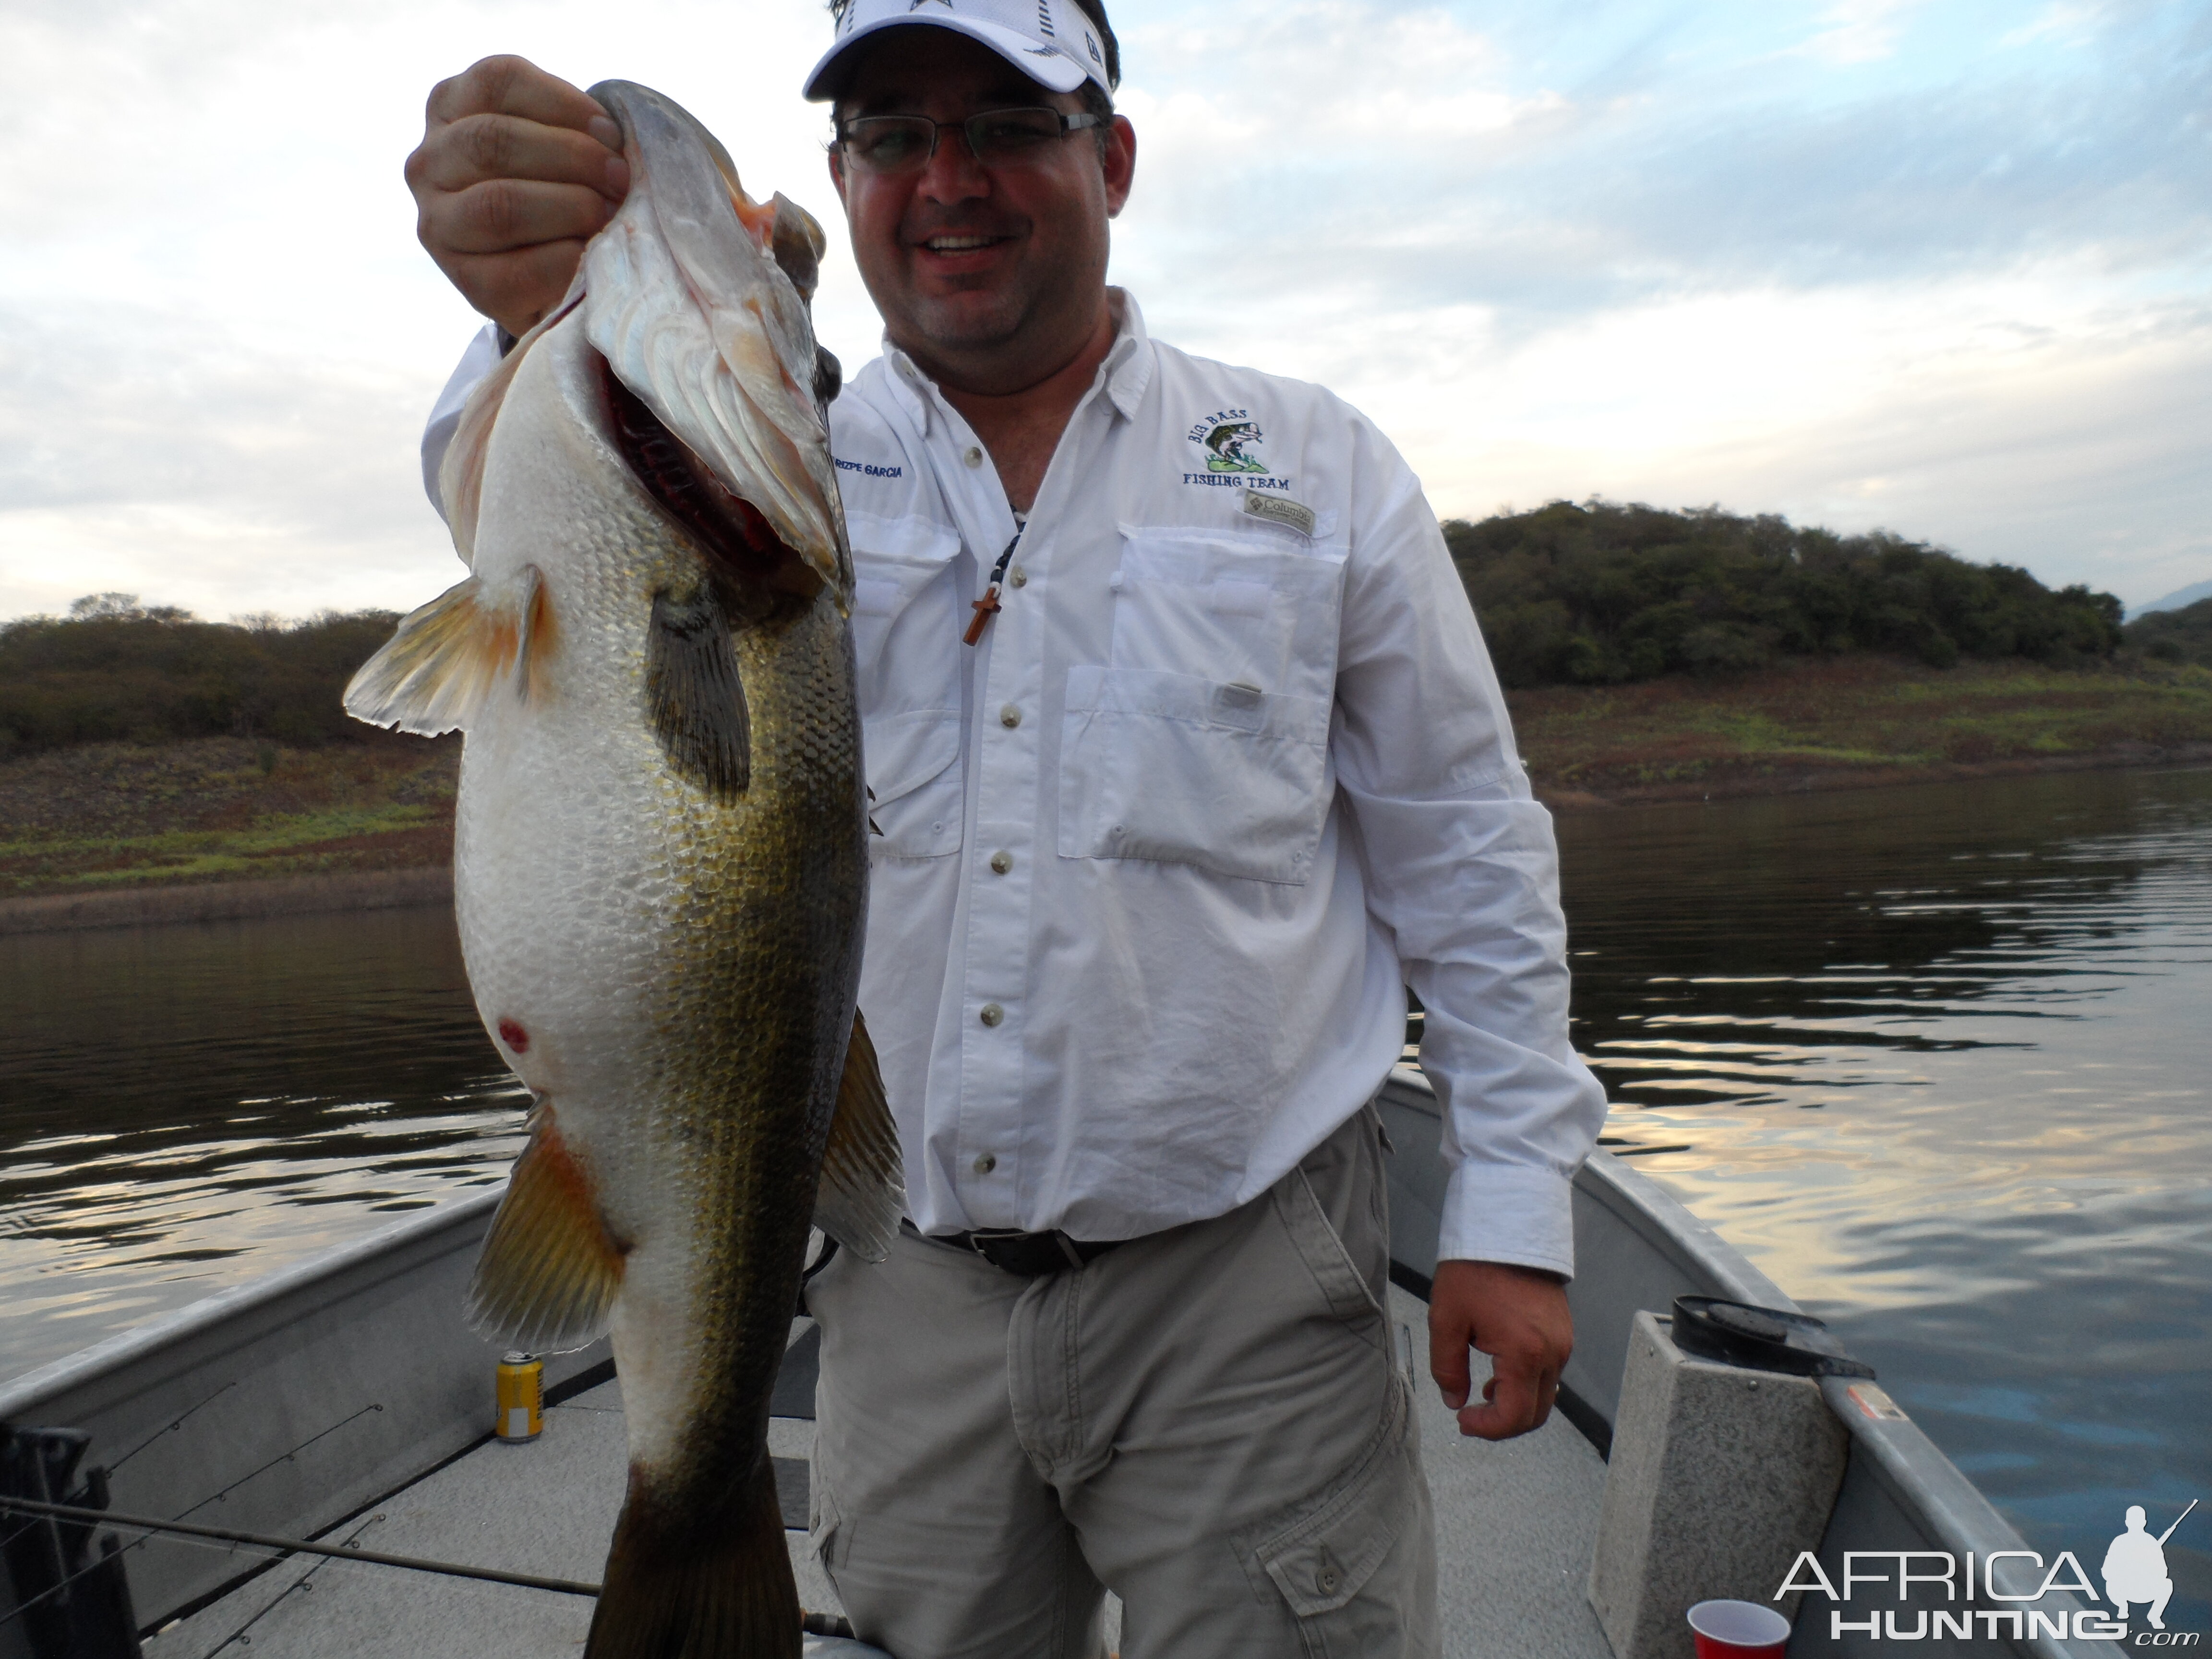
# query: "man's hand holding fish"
1182,758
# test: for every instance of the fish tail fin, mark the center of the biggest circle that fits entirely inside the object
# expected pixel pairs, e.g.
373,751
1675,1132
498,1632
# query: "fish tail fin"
721,1592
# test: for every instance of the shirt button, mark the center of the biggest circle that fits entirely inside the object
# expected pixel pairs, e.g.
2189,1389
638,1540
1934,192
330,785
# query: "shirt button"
1019,577
1002,861
972,455
992,1013
986,1164
1010,716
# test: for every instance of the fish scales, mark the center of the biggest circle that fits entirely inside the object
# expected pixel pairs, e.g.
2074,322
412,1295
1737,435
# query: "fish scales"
660,859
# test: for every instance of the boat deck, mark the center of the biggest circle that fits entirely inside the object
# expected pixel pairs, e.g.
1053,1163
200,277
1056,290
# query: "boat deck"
1517,1524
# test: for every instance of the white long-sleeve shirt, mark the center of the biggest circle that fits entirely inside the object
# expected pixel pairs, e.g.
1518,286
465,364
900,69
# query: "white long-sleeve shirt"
1228,770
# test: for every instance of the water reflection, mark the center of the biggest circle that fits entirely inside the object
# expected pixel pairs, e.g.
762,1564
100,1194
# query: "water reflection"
183,1108
1935,1058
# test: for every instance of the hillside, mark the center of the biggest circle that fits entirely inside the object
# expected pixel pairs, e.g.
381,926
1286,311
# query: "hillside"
1854,721
2178,636
1649,655
1603,594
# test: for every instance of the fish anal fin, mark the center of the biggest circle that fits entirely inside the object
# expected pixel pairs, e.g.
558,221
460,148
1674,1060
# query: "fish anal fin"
696,700
436,671
547,1278
862,1191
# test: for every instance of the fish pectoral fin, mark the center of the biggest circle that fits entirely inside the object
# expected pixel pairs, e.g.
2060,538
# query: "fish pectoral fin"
436,670
698,702
863,1191
547,1278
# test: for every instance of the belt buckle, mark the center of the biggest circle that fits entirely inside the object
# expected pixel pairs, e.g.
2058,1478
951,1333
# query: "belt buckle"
982,1240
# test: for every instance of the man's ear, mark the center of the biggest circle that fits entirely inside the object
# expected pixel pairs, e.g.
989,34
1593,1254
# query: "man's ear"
1119,164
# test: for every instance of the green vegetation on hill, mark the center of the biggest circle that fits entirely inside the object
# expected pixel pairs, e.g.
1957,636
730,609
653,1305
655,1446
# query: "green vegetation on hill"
113,671
2183,635
1601,594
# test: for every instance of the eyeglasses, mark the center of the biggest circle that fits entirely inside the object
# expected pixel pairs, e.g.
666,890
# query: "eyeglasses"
997,137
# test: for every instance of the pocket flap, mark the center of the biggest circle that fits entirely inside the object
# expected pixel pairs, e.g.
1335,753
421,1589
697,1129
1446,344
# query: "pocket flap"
1323,1560
904,752
894,559
1093,688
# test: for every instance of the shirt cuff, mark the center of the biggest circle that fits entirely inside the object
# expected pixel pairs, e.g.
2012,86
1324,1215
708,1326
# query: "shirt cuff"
1510,1213
479,359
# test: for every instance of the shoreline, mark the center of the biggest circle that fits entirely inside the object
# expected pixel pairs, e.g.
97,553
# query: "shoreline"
156,905
1807,780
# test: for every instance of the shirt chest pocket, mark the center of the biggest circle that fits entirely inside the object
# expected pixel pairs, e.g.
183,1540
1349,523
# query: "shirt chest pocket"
906,641
1203,739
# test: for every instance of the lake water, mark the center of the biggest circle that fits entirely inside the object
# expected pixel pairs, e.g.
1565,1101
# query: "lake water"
1934,1057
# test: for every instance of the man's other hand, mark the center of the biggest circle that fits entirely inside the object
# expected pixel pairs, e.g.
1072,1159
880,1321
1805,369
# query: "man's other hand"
517,170
1519,1317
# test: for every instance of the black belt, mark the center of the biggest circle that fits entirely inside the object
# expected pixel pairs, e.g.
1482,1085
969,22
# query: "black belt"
1031,1255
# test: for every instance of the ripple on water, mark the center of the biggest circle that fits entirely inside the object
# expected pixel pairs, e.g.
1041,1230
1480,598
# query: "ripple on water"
1935,1058
184,1108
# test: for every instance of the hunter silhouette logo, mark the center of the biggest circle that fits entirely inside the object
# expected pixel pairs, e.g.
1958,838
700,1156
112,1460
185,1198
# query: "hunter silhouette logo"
2135,1566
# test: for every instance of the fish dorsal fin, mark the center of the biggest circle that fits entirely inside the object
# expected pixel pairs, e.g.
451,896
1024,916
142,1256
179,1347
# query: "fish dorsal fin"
863,1193
547,1278
436,670
460,475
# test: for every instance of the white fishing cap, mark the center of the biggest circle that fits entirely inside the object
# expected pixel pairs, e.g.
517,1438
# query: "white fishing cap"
1051,41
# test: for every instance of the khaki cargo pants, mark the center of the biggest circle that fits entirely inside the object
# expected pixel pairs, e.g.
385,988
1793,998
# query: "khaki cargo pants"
1211,1421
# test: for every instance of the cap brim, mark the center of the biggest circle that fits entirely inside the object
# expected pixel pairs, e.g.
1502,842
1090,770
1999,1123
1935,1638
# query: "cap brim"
1046,65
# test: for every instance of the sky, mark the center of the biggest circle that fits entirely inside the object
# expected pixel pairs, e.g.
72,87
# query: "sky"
1942,267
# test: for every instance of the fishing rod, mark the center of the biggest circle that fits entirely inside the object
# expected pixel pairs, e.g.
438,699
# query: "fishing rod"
812,1623
296,1546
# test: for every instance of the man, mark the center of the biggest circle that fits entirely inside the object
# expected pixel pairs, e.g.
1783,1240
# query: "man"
2134,1569
1183,766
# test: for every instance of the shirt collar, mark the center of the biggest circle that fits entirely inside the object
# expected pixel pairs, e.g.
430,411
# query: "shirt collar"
1128,369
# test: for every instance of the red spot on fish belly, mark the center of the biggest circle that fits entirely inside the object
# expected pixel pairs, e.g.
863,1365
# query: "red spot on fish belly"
512,1033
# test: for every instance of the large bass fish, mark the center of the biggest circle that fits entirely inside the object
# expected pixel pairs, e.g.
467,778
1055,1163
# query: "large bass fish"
661,855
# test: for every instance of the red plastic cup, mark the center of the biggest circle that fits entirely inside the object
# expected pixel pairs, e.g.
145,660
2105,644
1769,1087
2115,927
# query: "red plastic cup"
1738,1630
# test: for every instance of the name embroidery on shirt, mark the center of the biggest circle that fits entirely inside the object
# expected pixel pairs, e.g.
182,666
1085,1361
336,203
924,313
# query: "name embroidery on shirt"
868,469
1229,443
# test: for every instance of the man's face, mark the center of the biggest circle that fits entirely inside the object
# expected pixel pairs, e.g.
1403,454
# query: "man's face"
984,273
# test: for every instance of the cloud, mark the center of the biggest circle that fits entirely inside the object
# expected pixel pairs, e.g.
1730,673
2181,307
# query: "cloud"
1874,263
1858,31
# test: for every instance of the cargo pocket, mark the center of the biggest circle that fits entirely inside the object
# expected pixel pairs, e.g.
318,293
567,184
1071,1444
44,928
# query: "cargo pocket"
1325,1558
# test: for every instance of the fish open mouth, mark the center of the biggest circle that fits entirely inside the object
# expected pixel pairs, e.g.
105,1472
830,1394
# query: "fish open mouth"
729,528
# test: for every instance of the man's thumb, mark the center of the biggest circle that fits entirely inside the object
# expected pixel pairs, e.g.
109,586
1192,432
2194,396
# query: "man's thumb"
1448,1363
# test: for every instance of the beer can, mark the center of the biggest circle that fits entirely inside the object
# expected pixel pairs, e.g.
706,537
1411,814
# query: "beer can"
521,1398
